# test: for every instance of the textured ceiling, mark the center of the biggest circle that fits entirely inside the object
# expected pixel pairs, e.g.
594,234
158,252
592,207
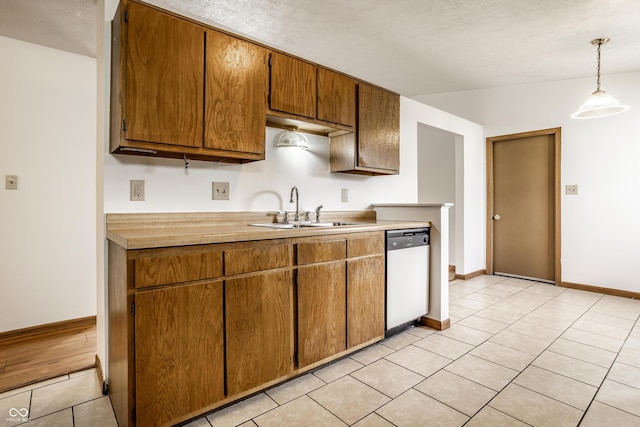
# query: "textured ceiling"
414,47
62,24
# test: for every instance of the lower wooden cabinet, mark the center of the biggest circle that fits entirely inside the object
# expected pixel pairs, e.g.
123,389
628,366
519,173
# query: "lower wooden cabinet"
234,319
322,311
179,351
365,300
258,328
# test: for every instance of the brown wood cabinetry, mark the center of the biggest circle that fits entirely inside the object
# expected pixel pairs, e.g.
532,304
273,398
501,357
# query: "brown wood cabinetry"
293,85
302,89
374,149
236,88
336,98
193,328
365,289
179,351
365,300
180,88
258,325
164,78
340,295
321,291
259,315
163,105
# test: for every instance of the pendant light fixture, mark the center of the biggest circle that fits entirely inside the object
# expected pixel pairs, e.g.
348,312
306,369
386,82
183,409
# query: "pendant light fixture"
293,138
600,103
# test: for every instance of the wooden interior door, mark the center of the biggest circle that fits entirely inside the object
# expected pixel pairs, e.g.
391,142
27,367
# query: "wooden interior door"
164,78
523,206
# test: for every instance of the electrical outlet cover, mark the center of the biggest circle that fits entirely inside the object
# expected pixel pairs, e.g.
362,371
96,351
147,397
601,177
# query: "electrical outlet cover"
11,182
136,190
220,191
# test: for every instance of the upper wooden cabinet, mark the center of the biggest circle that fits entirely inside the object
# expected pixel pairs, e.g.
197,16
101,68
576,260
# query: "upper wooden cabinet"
165,103
293,85
374,149
164,78
303,90
235,97
181,88
336,98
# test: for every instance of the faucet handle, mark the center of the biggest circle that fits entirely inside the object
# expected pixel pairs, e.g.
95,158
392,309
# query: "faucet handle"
285,220
306,215
318,213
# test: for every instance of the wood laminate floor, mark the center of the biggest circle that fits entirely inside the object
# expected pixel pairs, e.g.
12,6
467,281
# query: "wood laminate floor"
37,357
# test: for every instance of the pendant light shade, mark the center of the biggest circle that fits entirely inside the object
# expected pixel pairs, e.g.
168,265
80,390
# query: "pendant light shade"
293,138
600,103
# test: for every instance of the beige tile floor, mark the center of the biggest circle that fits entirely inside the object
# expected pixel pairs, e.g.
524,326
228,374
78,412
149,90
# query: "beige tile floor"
518,353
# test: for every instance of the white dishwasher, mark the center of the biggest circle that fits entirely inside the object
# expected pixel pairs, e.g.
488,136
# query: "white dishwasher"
407,277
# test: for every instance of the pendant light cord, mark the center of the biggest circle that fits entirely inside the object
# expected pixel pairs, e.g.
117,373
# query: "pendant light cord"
598,81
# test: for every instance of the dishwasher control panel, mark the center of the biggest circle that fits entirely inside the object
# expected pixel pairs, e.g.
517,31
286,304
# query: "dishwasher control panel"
403,239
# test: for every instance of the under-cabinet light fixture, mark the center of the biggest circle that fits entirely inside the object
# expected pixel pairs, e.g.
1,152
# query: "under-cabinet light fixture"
600,103
293,138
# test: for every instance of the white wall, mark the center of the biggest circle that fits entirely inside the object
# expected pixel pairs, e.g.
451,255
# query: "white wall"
47,226
470,203
256,186
437,173
266,185
600,226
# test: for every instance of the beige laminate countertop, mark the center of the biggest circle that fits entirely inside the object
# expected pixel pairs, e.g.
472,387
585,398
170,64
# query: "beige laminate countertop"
147,238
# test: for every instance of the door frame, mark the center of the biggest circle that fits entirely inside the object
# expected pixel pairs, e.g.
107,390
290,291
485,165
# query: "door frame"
556,134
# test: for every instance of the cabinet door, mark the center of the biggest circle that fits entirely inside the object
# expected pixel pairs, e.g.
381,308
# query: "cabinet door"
293,85
164,78
336,98
236,94
259,324
365,300
179,354
321,311
378,129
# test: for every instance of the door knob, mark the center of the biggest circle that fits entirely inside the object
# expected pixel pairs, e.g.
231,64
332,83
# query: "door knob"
496,217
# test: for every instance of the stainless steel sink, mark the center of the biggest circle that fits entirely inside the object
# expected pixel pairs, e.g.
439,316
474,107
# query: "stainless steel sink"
306,224
332,224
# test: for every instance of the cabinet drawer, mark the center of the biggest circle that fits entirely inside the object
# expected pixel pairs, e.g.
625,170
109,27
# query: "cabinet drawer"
154,270
310,252
247,260
362,246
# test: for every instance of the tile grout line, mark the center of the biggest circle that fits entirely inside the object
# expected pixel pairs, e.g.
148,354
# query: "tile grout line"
546,349
607,374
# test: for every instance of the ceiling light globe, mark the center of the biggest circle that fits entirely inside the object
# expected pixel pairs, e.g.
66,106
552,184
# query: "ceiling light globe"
599,104
293,138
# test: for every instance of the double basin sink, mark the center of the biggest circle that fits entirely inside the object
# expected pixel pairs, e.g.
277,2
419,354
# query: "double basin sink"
307,224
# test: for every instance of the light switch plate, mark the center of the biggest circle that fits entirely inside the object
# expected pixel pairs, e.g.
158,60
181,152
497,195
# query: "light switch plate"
344,195
11,182
571,190
220,191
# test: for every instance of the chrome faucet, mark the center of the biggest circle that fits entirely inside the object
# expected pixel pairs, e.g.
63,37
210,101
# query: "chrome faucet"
318,213
296,218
